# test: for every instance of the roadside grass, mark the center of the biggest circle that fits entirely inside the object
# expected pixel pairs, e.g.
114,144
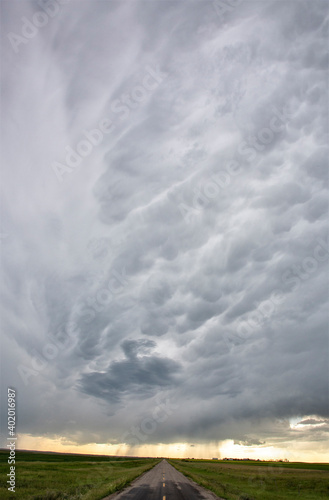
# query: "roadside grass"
43,476
258,480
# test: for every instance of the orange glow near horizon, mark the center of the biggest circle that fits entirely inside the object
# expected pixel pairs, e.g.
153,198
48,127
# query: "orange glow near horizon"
293,451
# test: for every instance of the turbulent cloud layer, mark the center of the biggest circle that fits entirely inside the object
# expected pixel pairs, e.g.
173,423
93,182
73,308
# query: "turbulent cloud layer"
164,219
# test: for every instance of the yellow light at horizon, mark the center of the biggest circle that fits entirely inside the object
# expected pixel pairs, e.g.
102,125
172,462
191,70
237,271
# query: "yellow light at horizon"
229,449
293,451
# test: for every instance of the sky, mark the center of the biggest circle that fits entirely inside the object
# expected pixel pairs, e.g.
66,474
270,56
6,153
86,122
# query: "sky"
164,226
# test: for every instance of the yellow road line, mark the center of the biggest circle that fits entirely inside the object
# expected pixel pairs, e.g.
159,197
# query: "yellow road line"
163,485
164,497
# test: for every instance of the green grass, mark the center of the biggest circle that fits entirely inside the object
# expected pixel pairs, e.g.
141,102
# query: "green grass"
236,480
47,476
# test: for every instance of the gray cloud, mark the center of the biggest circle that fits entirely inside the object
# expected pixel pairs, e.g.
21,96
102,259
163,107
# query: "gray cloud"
137,374
186,255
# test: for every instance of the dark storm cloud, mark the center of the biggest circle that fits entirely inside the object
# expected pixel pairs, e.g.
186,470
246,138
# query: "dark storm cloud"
138,374
185,256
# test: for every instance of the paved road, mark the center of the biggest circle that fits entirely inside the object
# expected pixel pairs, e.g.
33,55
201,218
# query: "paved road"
163,482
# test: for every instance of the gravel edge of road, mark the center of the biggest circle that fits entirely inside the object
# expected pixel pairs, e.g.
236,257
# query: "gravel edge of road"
128,486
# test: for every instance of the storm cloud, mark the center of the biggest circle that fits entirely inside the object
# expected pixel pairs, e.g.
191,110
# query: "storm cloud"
165,218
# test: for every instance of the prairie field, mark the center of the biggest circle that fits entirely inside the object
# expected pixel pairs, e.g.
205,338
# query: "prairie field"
48,476
253,480
52,476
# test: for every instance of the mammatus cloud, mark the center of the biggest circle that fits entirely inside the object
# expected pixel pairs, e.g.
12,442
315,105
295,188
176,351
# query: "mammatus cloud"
165,212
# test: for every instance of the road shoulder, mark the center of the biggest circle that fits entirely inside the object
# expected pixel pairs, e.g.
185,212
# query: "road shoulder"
130,485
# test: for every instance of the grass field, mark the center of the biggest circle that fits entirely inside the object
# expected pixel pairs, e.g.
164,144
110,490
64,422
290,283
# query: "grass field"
47,476
259,480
